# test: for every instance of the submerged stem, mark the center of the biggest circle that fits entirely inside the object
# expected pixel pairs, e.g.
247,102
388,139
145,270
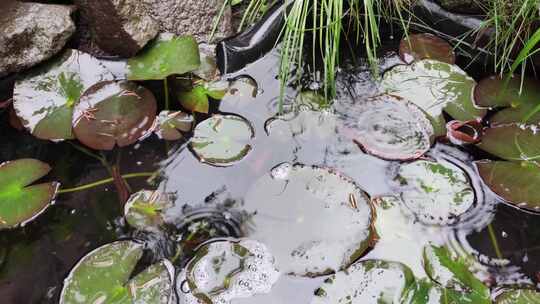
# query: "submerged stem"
494,242
105,181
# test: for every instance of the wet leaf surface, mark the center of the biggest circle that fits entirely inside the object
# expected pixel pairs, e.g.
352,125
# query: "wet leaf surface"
314,220
101,275
452,272
435,87
366,282
170,125
464,132
114,113
145,209
165,56
518,97
392,128
519,296
21,202
225,270
426,46
515,182
222,140
45,97
512,142
154,285
437,192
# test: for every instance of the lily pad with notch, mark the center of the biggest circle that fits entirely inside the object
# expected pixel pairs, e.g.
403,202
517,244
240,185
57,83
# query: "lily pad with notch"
104,276
222,140
518,97
426,46
438,192
367,282
435,87
515,182
44,98
166,55
145,209
21,202
513,142
326,217
114,113
392,128
170,125
224,270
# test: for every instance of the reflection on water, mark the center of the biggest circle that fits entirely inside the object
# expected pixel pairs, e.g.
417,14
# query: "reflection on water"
222,198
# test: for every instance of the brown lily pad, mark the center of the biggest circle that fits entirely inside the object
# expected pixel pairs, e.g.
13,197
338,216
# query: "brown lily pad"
426,46
114,113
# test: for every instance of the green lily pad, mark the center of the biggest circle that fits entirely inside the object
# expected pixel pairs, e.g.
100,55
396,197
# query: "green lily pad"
519,296
103,276
437,192
426,46
425,291
170,125
512,142
45,97
453,273
222,140
165,56
225,270
519,98
394,129
144,209
21,202
435,87
367,282
326,217
515,182
114,113
197,100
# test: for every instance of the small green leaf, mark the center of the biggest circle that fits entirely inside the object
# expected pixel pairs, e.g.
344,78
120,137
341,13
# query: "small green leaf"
144,210
195,100
519,296
452,272
167,55
20,202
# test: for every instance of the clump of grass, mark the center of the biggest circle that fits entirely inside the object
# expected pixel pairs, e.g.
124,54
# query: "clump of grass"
513,25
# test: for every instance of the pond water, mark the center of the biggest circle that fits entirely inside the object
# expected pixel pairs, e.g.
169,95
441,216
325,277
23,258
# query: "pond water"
266,196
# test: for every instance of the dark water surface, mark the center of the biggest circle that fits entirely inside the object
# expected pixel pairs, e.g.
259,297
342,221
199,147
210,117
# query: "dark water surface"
35,259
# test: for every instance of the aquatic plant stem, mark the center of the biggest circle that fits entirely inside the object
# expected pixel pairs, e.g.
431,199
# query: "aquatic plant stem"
104,182
494,242
166,91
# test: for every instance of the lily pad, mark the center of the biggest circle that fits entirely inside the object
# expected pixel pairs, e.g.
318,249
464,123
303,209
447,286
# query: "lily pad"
170,125
21,202
515,182
197,100
437,192
102,276
222,140
393,129
367,282
512,142
435,87
326,217
45,97
114,113
165,56
225,270
452,272
518,96
519,296
426,46
144,209
426,291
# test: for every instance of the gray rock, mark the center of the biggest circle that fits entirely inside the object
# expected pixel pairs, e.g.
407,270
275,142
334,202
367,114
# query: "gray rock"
191,17
31,33
119,27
